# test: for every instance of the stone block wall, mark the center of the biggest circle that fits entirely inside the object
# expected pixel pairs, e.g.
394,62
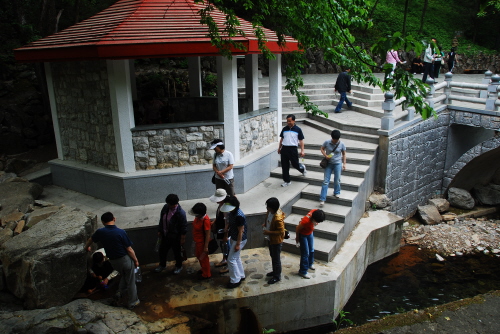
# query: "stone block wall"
416,161
84,113
168,148
257,132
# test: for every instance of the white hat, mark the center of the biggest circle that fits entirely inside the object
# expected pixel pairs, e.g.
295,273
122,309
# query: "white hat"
215,145
220,195
227,208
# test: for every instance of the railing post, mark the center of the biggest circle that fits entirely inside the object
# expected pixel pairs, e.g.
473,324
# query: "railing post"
447,90
486,80
492,93
387,122
430,93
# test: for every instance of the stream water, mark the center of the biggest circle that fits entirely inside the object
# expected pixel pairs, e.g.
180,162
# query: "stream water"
414,279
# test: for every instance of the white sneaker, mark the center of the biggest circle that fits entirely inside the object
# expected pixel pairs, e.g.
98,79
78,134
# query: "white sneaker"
321,203
304,173
286,184
312,267
304,276
177,271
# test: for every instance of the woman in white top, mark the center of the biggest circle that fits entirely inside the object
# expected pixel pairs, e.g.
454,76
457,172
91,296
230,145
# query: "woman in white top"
223,167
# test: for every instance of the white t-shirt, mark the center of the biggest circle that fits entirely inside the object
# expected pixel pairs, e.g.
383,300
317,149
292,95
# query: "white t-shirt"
222,161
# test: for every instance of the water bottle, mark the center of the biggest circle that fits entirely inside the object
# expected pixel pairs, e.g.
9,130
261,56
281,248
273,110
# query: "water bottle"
138,275
227,180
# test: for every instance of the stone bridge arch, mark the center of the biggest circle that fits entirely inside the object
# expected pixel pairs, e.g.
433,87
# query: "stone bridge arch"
477,165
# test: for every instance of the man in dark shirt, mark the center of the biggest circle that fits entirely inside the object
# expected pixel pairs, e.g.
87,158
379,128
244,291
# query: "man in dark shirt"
119,250
291,137
343,86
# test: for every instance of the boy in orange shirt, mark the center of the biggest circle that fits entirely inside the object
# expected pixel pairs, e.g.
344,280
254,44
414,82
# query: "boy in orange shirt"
201,237
304,235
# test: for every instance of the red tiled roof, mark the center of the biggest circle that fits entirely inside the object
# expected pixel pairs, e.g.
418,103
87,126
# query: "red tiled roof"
142,29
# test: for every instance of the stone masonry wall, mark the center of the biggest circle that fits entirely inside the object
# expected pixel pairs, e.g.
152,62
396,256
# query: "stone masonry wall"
416,164
258,132
84,113
168,148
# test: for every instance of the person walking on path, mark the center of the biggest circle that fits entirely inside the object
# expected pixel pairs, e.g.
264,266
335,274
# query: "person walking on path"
291,138
429,60
343,86
274,232
119,250
334,151
218,225
172,229
452,60
223,167
201,237
236,229
304,236
392,58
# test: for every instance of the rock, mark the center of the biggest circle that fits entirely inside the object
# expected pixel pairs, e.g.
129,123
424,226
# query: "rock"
86,316
5,177
46,265
459,253
5,235
429,214
449,216
406,224
12,217
415,238
17,196
460,198
439,258
43,204
487,195
20,227
379,201
440,203
40,214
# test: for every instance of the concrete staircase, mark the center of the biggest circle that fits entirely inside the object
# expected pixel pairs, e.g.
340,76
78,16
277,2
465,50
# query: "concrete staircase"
356,183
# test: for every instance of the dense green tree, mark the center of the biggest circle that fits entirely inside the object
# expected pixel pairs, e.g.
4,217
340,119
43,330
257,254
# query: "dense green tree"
319,24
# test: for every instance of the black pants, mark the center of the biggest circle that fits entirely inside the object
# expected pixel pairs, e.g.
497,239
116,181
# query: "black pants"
428,71
275,252
170,241
437,68
289,154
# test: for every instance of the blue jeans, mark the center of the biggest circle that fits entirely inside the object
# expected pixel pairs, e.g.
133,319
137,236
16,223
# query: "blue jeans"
306,252
343,97
336,169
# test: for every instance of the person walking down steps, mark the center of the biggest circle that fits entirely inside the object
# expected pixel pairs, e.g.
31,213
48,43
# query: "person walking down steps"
343,86
291,138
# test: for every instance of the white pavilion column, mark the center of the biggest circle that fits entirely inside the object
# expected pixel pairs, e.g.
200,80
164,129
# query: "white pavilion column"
53,110
228,103
122,112
275,92
194,70
252,81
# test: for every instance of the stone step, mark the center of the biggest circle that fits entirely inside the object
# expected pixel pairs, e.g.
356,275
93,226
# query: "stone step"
333,212
353,146
364,88
312,192
347,130
323,248
368,96
350,183
327,230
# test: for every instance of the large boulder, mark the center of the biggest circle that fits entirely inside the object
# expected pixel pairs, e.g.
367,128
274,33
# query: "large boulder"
380,201
86,316
460,198
488,195
440,203
17,196
429,214
46,265
39,214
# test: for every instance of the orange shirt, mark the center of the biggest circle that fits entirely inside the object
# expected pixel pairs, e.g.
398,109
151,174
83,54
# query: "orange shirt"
307,224
200,225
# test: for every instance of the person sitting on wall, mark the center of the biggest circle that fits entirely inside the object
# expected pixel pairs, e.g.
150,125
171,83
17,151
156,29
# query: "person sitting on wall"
417,66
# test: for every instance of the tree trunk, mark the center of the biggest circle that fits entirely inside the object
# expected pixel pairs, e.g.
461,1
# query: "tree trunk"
404,19
422,18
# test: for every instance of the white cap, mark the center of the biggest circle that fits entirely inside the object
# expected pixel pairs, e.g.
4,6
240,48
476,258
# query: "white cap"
227,208
217,144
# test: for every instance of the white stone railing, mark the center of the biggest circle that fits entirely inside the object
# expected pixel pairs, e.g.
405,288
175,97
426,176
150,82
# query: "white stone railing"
486,93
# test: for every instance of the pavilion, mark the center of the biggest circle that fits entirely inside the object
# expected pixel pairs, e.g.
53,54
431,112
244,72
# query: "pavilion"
91,82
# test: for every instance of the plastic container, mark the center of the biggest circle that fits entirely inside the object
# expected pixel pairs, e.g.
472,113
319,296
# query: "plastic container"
138,275
157,246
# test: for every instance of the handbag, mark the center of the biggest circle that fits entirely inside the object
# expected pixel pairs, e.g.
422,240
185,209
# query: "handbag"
287,234
324,161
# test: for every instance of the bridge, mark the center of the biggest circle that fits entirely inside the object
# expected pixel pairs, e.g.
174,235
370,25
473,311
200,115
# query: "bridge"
388,148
